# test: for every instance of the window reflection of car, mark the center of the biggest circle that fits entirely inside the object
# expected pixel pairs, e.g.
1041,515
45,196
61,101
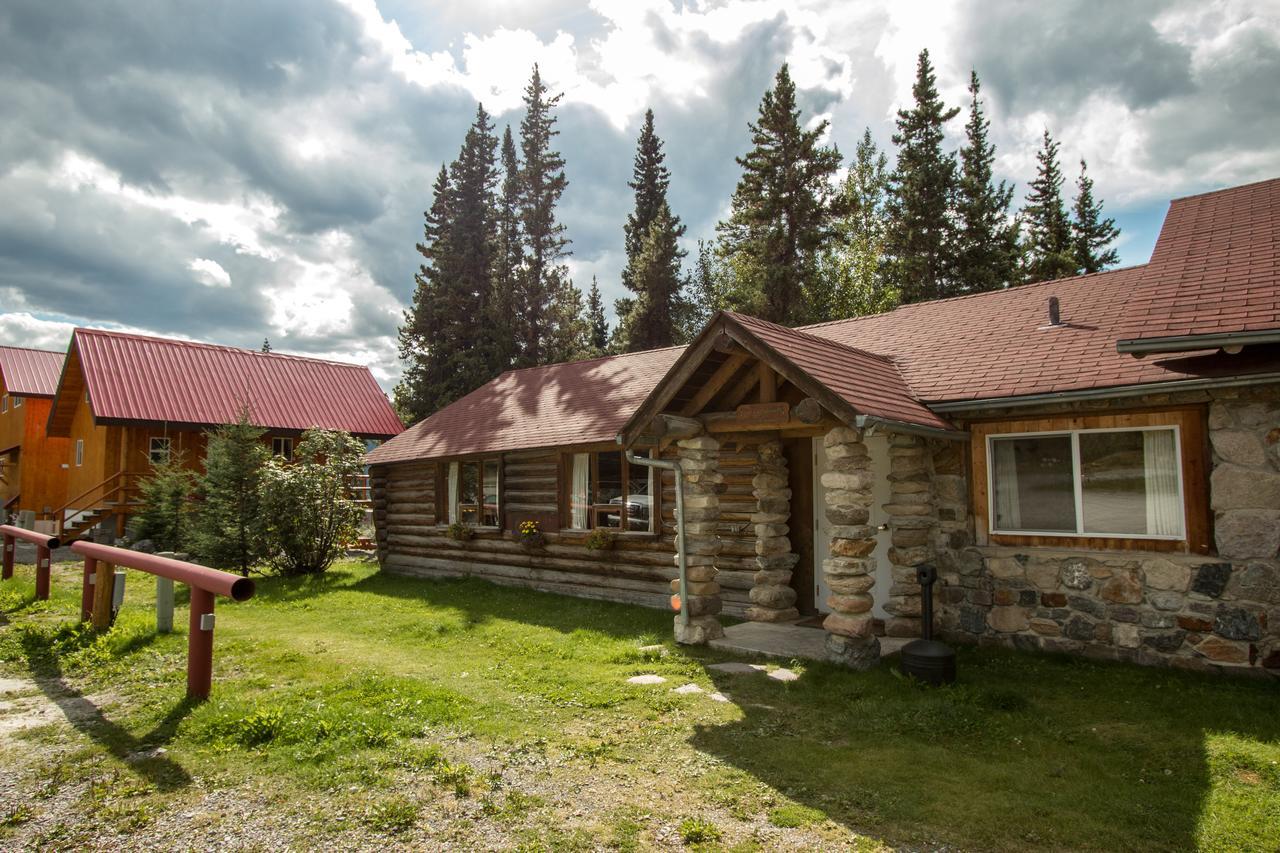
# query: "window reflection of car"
637,512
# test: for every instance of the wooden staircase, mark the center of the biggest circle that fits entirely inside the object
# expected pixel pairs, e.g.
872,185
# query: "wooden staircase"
114,497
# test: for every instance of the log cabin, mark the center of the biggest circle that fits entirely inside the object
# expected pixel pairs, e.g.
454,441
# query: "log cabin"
32,478
125,402
1089,465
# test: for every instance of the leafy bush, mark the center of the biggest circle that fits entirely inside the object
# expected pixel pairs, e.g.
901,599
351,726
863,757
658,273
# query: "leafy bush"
166,514
229,529
460,532
696,830
307,504
600,539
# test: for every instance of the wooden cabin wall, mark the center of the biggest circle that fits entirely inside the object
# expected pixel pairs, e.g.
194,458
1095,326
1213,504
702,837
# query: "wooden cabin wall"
98,462
637,570
43,480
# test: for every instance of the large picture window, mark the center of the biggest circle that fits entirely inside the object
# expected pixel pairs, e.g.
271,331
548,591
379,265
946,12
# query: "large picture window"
1097,482
471,493
605,490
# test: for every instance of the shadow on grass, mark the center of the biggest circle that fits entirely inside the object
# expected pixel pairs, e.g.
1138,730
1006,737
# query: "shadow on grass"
43,660
1025,751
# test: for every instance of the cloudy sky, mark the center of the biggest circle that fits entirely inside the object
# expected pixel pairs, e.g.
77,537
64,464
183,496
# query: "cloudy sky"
230,171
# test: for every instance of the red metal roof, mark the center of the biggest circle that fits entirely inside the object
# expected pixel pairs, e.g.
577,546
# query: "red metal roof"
30,372
579,402
1215,268
137,378
870,383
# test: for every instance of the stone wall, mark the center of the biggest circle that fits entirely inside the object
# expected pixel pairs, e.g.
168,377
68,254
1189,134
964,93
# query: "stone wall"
912,522
772,597
851,570
699,461
1218,612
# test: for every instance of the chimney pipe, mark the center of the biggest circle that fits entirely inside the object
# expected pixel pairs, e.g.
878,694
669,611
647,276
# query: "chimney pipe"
1055,314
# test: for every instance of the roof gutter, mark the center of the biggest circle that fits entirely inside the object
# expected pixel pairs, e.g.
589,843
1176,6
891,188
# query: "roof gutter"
1187,343
1106,393
872,422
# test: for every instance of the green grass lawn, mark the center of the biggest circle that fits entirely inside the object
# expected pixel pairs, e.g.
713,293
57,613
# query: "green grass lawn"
364,710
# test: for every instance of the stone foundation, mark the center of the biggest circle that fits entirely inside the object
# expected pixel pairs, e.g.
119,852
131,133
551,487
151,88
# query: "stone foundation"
699,461
912,521
850,572
772,598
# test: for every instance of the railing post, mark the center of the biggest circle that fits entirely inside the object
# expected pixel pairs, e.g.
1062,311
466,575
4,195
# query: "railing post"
103,587
164,605
43,558
10,544
86,589
200,644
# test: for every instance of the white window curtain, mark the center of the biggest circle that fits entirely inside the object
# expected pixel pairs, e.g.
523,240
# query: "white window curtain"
453,492
580,493
1160,464
1005,480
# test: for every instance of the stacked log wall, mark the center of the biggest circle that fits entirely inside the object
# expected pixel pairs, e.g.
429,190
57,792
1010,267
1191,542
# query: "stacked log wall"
637,570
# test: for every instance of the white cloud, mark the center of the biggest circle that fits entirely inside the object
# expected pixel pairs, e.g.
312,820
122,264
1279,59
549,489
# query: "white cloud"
210,273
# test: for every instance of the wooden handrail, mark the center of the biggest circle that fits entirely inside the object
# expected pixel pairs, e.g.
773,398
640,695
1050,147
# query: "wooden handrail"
58,513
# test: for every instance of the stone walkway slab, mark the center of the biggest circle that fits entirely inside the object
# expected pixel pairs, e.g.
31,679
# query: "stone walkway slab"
787,641
646,679
735,667
783,674
688,688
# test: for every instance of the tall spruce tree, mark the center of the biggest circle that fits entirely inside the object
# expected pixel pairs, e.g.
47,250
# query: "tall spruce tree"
706,291
418,393
598,324
921,236
508,259
656,315
987,252
852,264
650,318
230,530
447,337
782,210
545,292
266,345
472,241
1091,233
1049,249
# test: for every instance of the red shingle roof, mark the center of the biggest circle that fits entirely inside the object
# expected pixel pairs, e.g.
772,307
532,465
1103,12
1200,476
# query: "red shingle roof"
1215,268
575,403
30,372
136,378
870,383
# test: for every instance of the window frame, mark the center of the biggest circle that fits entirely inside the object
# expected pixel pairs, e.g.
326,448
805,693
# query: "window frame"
151,449
1077,489
4,403
594,508
79,452
443,497
17,402
287,457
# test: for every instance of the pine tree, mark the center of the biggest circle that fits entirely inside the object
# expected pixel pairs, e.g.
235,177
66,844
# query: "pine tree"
1091,234
543,281
266,345
657,297
656,315
508,260
987,241
416,396
921,236
598,324
1049,250
782,210
472,240
852,265
706,291
230,530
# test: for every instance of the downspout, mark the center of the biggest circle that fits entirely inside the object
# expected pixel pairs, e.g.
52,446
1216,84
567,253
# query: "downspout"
682,558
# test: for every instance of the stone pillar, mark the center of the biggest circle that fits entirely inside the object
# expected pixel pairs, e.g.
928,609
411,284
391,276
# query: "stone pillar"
850,572
912,521
772,598
700,460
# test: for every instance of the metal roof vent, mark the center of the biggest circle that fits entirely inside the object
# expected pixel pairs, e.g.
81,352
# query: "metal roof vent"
1055,312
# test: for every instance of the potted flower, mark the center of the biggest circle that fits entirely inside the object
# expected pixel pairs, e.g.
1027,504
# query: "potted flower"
530,533
600,539
460,532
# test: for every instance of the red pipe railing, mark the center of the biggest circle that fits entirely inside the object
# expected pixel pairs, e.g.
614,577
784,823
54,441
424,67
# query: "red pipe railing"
44,545
205,584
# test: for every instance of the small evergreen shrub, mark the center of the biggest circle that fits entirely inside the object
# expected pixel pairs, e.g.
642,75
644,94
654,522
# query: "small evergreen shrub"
229,529
167,513
460,532
600,539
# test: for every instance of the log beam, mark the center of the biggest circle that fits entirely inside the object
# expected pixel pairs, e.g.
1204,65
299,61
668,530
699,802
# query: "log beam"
768,382
808,411
713,385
